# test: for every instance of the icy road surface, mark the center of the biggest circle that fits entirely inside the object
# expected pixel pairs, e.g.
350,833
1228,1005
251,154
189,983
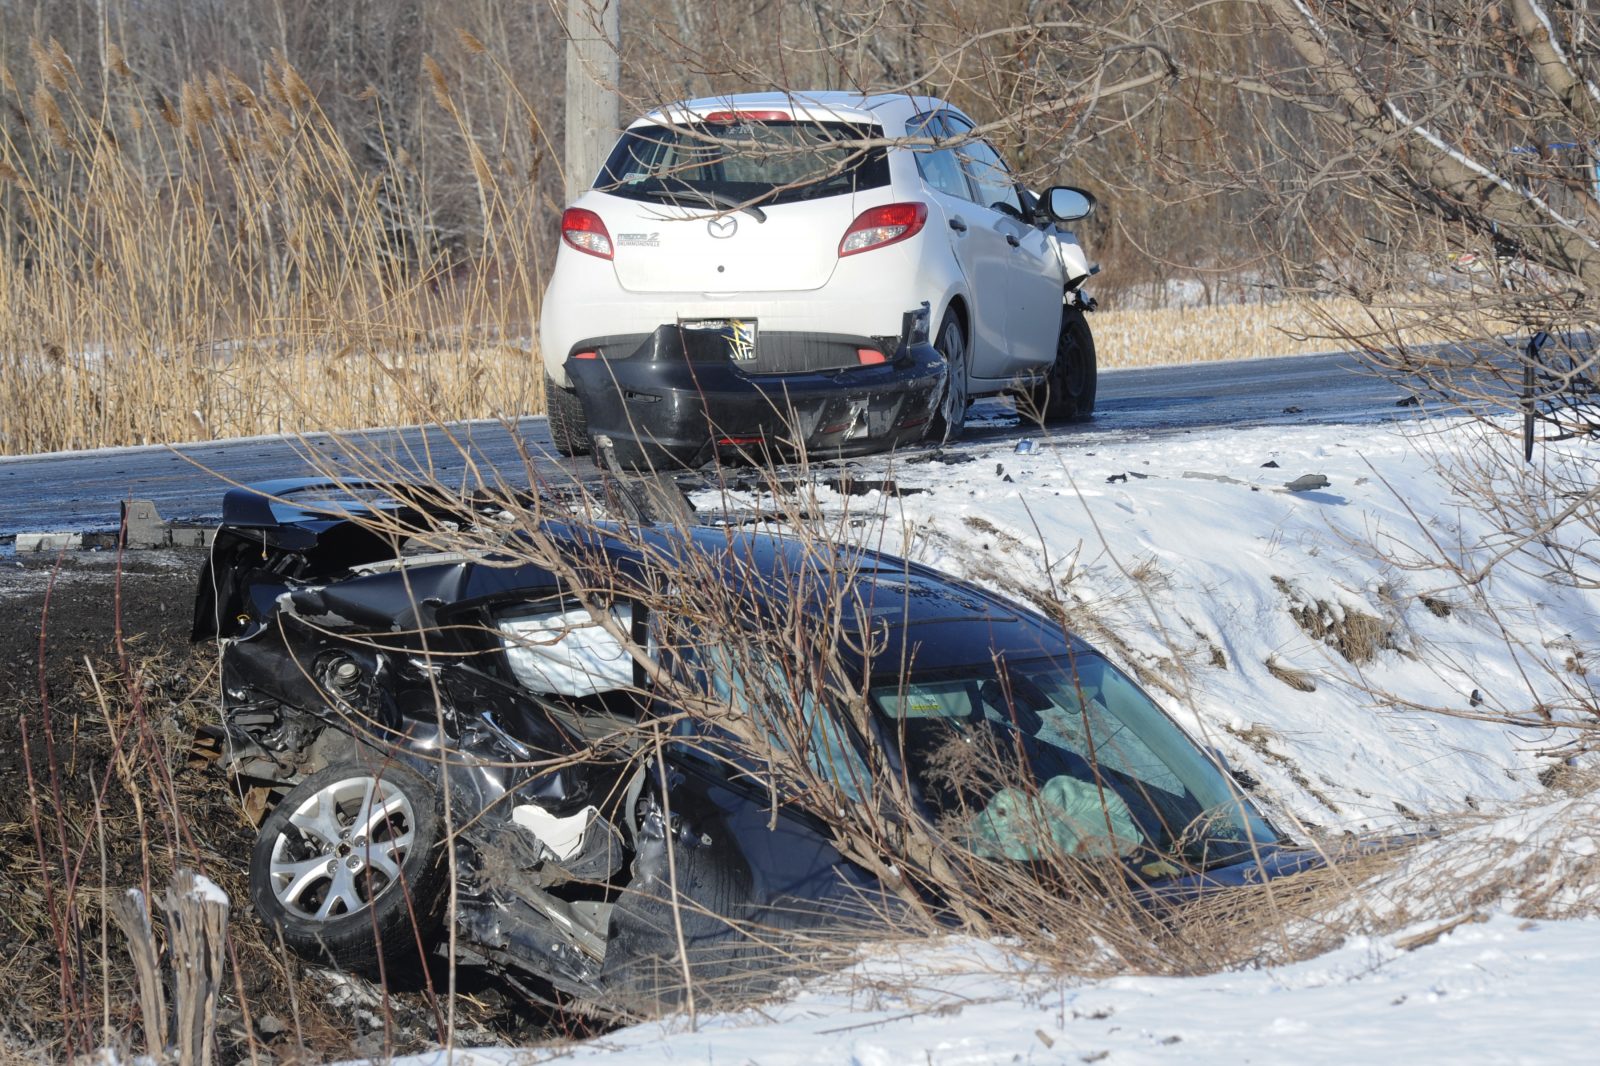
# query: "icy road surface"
80,491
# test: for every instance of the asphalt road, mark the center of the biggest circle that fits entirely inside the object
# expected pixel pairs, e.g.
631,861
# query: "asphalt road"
80,491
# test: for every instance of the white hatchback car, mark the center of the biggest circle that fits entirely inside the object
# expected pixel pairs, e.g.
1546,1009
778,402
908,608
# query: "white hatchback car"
761,271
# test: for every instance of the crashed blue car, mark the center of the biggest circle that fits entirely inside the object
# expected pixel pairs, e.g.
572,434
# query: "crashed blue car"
366,680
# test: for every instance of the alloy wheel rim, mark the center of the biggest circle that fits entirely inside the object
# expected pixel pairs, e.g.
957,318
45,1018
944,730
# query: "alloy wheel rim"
342,849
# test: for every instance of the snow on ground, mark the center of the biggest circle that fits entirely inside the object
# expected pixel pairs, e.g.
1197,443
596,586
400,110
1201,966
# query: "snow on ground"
1503,990
1188,559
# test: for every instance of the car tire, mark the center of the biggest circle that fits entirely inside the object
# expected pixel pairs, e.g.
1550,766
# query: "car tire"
949,416
312,871
1068,390
569,426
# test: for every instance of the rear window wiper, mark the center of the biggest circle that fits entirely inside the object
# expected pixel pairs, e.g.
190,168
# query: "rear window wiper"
836,185
716,199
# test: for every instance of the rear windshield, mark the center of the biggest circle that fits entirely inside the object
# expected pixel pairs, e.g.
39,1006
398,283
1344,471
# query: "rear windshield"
722,165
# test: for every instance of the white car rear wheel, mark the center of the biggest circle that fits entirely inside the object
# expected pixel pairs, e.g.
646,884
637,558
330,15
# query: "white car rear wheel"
569,427
950,416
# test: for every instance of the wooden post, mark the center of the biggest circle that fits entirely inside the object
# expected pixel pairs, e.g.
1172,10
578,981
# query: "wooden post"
133,918
594,67
197,933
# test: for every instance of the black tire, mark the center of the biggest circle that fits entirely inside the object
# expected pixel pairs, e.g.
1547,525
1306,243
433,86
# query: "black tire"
323,892
1068,390
949,416
569,426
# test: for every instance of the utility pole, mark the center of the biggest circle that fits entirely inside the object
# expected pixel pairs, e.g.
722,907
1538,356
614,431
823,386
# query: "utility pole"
594,67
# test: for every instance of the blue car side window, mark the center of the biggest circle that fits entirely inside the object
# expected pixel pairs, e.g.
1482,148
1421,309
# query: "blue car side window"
790,719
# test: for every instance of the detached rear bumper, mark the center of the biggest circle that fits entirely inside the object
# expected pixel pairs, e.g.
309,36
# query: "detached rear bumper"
673,398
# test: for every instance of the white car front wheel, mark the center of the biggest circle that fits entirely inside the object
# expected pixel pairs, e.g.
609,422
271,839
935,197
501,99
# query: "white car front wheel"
1067,392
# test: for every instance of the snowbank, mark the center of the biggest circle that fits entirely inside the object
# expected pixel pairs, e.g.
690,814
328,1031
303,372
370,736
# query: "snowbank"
1241,604
1501,990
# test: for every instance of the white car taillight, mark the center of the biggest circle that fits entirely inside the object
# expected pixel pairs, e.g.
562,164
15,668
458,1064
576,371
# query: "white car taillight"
878,227
585,231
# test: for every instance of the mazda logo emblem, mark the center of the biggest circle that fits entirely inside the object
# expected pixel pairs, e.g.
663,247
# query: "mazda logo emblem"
721,228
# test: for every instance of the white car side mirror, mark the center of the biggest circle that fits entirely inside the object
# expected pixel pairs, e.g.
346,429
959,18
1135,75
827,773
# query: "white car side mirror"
1066,203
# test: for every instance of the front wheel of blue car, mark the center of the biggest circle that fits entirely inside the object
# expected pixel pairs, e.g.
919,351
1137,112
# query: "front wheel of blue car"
348,867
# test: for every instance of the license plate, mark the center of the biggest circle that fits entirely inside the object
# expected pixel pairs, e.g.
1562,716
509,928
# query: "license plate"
739,334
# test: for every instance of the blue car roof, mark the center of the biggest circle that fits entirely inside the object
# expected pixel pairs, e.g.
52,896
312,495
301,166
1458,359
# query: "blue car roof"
914,613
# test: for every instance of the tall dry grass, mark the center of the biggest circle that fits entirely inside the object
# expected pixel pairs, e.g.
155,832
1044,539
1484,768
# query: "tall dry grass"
1169,335
222,263
111,793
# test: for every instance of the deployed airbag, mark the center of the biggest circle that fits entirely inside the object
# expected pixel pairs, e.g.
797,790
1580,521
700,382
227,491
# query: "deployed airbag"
565,652
1067,817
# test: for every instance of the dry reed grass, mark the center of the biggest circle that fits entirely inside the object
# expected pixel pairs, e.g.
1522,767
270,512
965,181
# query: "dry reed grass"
227,267
1172,335
110,796
224,266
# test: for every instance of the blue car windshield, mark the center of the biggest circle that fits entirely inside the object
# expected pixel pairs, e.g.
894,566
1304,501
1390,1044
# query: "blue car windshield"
725,164
1064,756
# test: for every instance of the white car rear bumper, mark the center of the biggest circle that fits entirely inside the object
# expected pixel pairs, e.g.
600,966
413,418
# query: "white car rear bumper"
866,297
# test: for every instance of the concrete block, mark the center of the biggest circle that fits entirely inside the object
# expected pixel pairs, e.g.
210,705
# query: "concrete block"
144,524
191,537
48,542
